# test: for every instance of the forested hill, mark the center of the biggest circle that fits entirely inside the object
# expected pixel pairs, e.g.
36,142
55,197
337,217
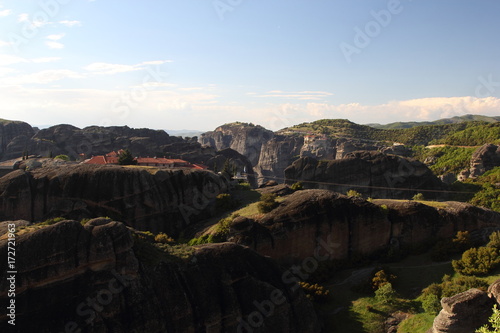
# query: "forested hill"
470,133
453,120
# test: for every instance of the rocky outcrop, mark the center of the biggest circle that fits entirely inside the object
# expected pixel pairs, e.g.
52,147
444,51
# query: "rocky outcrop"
312,223
373,174
100,278
245,138
235,161
12,135
463,313
146,199
483,159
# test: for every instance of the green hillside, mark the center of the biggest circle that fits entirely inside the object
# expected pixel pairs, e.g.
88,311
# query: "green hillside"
418,135
453,120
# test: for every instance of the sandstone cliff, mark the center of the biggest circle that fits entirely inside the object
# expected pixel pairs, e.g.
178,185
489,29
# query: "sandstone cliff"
144,198
307,220
373,174
99,278
246,139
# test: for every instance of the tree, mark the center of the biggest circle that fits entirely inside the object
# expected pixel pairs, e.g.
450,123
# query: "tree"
477,261
494,322
126,158
297,186
386,293
267,203
353,193
494,240
382,277
418,197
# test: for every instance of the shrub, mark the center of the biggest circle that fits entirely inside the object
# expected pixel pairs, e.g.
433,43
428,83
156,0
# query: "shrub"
450,287
315,292
353,193
494,323
418,197
225,202
477,261
431,304
494,240
382,277
163,238
267,203
51,221
62,157
297,186
386,293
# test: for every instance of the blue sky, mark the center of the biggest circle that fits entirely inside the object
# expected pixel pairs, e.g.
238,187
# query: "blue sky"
197,64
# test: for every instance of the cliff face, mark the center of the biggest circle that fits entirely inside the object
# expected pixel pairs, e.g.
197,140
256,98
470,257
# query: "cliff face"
319,221
245,139
13,130
147,199
374,174
99,278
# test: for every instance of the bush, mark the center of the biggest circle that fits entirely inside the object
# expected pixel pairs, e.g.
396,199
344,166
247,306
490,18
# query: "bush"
297,186
381,278
386,293
225,202
163,238
267,203
62,157
450,287
353,193
431,304
315,292
494,240
418,197
477,261
494,322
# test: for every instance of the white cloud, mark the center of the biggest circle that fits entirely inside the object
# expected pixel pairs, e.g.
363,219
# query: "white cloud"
155,62
107,68
55,36
5,12
54,45
42,77
4,43
70,23
24,17
7,59
300,95
46,59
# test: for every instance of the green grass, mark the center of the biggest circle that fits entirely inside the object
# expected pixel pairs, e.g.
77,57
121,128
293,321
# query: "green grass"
418,323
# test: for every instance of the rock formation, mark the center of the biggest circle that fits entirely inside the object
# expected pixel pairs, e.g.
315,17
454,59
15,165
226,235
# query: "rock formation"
463,313
320,222
483,159
373,174
146,199
12,134
246,139
101,278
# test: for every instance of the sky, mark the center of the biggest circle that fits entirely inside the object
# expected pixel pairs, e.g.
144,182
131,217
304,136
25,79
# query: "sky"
197,64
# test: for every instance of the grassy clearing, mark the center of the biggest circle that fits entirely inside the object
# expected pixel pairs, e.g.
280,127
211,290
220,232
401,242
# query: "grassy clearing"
435,204
418,323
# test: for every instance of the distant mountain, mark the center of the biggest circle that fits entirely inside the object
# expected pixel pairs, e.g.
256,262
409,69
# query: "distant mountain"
184,133
453,120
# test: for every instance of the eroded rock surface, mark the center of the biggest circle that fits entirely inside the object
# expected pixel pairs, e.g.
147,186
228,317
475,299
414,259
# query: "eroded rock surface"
101,278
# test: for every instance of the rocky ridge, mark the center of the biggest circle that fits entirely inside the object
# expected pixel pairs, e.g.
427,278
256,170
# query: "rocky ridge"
309,222
101,278
158,200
